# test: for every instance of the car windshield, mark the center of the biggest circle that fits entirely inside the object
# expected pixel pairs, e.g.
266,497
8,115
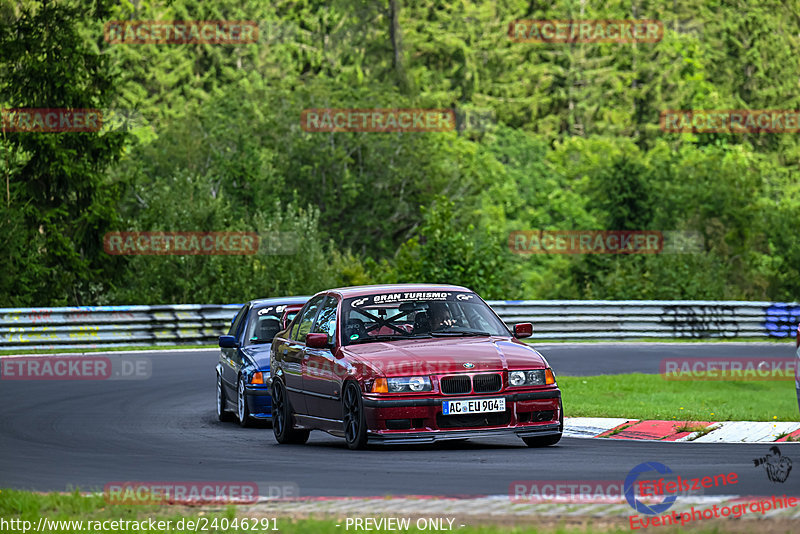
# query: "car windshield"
264,323
410,315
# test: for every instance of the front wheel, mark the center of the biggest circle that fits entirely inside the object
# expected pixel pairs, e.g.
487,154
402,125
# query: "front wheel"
241,405
355,424
546,441
282,418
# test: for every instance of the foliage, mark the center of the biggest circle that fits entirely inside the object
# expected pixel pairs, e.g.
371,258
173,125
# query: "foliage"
572,142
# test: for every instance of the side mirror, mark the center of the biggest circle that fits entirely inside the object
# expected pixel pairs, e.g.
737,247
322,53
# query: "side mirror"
523,330
228,342
317,340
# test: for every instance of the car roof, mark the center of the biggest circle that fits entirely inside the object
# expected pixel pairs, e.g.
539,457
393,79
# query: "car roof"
360,291
279,300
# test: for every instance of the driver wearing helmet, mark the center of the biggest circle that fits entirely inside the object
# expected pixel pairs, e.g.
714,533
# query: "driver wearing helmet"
440,316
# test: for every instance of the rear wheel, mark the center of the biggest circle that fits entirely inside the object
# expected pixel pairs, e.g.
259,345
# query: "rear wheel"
546,441
355,424
283,419
222,414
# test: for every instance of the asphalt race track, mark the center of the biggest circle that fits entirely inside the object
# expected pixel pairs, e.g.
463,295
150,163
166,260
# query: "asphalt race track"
59,435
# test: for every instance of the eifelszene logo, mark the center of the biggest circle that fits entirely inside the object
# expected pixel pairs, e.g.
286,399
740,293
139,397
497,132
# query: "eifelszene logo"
630,495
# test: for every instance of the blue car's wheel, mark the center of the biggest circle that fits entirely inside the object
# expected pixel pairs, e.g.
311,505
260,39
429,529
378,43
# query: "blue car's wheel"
222,413
241,403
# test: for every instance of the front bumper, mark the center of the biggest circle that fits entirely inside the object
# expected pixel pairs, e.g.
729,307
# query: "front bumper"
259,401
420,420
431,436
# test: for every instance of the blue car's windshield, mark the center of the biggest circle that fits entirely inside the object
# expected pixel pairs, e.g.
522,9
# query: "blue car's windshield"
264,323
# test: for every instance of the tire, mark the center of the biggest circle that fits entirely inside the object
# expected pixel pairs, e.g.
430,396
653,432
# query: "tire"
222,414
546,441
242,411
355,424
283,419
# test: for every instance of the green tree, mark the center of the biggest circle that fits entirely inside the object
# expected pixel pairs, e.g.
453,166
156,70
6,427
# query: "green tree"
60,201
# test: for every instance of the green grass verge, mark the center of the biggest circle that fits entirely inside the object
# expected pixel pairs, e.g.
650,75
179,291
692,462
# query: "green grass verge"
105,349
26,506
641,396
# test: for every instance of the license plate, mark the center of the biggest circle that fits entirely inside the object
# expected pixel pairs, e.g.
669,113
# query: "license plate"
458,407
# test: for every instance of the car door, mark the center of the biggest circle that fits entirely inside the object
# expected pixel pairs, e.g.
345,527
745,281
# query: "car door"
291,354
230,358
320,377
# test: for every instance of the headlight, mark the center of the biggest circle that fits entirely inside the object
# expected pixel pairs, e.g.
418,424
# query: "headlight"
535,377
408,384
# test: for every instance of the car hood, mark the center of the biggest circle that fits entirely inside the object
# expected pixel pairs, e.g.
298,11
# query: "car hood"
259,354
444,355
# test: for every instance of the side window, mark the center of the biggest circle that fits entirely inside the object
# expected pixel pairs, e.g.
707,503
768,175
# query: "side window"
303,326
237,322
326,321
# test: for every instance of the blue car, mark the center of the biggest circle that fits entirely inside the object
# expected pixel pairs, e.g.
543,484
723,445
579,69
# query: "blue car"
243,379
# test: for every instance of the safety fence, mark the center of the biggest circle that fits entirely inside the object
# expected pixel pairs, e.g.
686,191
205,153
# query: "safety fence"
193,324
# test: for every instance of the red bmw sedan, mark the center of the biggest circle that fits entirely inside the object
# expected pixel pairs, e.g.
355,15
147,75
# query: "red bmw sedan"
409,363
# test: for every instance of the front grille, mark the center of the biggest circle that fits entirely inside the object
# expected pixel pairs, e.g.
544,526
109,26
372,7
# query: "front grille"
473,420
456,385
487,383
461,384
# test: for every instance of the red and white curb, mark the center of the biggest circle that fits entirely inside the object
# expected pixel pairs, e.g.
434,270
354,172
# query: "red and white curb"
712,431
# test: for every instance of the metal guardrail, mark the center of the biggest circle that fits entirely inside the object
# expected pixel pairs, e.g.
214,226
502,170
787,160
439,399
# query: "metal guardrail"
188,324
110,326
626,319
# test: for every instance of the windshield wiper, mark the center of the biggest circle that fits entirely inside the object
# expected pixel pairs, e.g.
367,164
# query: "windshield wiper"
388,337
259,341
446,333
